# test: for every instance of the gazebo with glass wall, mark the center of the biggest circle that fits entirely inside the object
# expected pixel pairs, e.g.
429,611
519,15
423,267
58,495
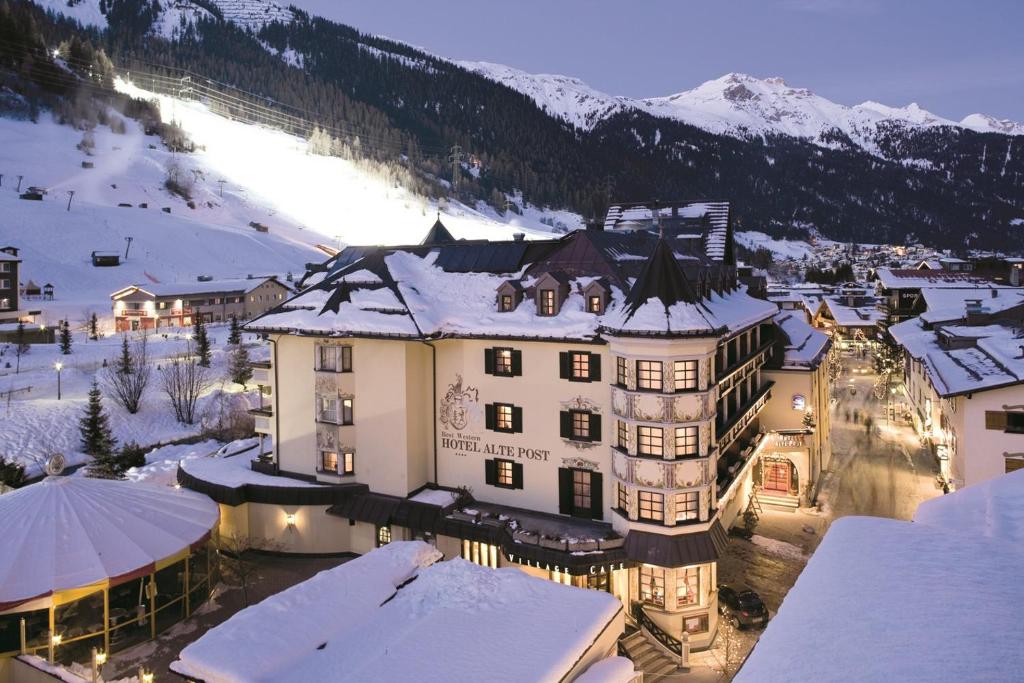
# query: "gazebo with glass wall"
95,563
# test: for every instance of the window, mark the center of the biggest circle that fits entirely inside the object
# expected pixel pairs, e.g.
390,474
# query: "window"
334,358
547,302
622,435
483,554
348,463
688,586
581,489
594,303
505,302
5,284
503,417
328,358
579,493
687,506
329,461
346,411
652,585
328,410
579,366
651,506
5,267
696,624
1015,422
620,371
346,359
383,535
648,374
686,441
580,425
650,440
504,362
5,304
162,305
506,474
686,374
622,496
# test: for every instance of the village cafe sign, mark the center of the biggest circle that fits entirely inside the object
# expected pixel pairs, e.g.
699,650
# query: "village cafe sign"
606,568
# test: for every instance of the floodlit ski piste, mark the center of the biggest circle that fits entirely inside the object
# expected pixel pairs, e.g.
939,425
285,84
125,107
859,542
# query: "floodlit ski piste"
328,357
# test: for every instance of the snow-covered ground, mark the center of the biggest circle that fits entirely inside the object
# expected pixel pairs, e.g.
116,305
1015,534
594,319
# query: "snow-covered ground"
35,424
780,248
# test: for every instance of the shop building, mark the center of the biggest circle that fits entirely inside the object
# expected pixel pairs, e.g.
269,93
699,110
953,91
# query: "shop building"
586,409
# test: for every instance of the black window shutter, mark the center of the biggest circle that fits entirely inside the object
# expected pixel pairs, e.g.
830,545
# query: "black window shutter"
595,427
564,365
565,490
596,495
517,419
489,361
517,475
565,424
517,363
595,367
490,472
489,416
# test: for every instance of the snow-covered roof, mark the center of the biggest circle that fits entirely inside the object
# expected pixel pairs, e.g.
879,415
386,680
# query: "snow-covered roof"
200,287
67,532
235,472
950,304
853,316
912,278
887,600
365,620
806,345
990,509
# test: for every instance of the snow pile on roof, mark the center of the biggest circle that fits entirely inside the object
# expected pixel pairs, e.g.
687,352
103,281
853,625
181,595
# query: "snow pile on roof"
886,600
991,509
806,345
912,278
203,287
951,304
610,670
66,532
235,471
853,316
455,622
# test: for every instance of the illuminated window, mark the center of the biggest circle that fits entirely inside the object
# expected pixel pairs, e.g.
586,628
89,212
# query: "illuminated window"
580,365
348,463
688,586
506,302
686,374
346,411
652,585
622,434
329,461
483,554
696,624
580,425
648,374
686,441
503,361
687,506
503,417
650,440
503,472
581,489
623,496
383,535
163,305
547,302
594,303
651,506
620,371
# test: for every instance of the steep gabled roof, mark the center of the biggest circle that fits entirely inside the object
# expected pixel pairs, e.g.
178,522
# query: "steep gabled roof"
661,278
438,234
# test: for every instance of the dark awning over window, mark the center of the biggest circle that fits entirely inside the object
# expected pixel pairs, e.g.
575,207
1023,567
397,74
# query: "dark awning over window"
677,551
374,508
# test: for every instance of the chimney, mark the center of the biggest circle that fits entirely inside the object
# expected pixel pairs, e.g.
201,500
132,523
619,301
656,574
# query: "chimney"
518,236
995,293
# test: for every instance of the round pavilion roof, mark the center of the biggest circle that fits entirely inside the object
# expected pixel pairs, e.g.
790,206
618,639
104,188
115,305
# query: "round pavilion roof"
67,532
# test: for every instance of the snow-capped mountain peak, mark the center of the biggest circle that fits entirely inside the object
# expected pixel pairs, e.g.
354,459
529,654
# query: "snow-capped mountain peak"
983,123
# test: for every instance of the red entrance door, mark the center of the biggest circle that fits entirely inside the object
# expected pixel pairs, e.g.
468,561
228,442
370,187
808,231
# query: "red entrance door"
776,476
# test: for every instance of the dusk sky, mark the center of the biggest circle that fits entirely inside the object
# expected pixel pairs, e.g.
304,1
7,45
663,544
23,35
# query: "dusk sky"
952,58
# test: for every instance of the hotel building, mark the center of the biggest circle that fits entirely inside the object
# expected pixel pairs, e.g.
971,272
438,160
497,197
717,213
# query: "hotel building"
587,409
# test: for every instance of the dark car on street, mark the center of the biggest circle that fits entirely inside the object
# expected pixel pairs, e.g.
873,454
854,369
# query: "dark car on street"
744,605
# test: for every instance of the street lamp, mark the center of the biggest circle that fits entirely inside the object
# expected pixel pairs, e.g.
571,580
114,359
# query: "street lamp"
58,366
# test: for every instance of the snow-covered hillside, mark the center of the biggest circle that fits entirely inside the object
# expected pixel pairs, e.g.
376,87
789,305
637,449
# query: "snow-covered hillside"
735,104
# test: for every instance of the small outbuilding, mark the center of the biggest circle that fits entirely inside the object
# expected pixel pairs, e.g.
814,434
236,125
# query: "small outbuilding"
102,259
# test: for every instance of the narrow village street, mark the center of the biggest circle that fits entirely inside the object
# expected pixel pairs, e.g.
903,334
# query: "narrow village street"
884,472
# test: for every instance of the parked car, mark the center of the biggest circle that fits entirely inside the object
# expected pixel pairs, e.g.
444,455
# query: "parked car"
743,605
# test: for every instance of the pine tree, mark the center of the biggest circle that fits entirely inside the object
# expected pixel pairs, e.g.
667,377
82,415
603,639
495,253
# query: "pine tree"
202,342
125,365
235,332
97,440
239,367
65,337
21,346
94,327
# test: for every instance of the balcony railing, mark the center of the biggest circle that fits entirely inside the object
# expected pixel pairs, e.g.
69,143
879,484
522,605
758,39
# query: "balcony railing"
730,428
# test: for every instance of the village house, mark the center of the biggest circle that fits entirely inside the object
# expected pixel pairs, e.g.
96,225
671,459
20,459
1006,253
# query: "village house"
10,289
587,409
157,306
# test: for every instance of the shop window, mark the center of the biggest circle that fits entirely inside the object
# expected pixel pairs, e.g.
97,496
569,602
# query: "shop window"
579,366
687,506
651,506
696,624
648,375
383,535
503,362
506,474
600,582
685,374
652,585
687,441
579,425
503,417
688,586
650,440
483,554
579,493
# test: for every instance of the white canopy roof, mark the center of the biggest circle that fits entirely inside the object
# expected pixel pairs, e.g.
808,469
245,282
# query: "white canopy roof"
66,532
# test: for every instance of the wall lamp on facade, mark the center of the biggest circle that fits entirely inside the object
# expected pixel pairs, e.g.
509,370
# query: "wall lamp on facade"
289,519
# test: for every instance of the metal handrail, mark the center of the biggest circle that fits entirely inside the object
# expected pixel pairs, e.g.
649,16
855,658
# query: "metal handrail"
659,634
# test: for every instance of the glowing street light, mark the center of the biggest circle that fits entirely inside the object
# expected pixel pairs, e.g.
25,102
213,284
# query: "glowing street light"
58,366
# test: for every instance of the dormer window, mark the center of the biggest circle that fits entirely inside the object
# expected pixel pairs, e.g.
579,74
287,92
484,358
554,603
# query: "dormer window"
595,296
594,304
506,303
546,302
510,293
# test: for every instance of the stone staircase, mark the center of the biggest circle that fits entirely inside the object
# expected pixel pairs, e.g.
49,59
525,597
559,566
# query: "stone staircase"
783,503
647,657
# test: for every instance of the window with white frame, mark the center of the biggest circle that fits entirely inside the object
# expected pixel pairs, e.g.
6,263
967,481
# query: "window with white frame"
580,425
328,410
5,284
687,440
503,417
648,375
685,374
650,440
580,365
687,506
651,506
332,358
688,586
